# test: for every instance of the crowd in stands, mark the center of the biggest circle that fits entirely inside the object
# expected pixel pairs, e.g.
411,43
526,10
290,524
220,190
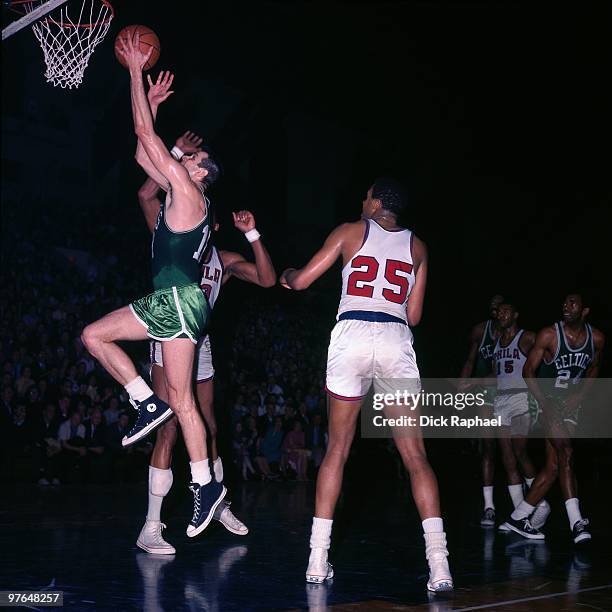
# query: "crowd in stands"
62,417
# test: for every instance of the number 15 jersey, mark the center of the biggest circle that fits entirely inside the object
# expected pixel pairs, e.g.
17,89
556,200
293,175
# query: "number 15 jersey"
380,275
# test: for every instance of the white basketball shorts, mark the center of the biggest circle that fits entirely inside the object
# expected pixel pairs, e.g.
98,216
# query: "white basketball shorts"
513,408
362,352
203,365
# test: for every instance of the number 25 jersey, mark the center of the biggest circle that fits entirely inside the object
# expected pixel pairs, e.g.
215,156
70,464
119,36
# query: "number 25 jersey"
380,276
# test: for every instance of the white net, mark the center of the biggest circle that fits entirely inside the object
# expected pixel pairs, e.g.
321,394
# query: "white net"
68,44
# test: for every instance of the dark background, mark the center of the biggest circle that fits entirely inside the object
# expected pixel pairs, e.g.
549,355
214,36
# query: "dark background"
495,114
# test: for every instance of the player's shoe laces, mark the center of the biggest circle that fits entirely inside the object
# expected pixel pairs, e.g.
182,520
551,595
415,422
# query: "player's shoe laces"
206,498
152,412
151,539
488,518
319,569
525,528
580,531
228,519
440,579
540,515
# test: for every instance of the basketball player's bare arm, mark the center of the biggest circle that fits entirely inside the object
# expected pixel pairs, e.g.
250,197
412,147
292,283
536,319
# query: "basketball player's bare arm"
324,258
543,347
468,367
261,272
526,342
149,202
590,375
186,198
414,308
158,93
147,194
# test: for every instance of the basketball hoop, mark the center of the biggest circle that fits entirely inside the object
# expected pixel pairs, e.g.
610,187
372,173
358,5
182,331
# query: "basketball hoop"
68,43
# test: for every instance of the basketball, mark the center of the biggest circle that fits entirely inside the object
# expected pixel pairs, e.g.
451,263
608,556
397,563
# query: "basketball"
148,39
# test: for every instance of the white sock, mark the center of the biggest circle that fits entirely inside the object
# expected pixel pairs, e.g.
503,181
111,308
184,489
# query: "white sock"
138,389
516,494
218,469
573,511
160,482
523,510
487,493
435,538
529,481
433,525
320,536
200,472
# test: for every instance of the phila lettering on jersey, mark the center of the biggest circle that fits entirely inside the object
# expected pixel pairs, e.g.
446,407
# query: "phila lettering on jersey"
508,362
380,275
212,275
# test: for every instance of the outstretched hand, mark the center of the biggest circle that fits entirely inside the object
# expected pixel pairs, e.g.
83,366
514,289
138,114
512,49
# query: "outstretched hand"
130,50
160,90
189,142
244,221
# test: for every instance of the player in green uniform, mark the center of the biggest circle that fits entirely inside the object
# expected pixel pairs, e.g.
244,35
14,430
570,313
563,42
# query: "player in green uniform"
176,312
566,359
478,364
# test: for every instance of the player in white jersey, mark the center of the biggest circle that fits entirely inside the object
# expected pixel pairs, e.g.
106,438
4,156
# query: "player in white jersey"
511,405
217,268
383,285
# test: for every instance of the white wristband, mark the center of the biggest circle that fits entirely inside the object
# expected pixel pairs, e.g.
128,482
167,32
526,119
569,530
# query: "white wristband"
176,153
252,235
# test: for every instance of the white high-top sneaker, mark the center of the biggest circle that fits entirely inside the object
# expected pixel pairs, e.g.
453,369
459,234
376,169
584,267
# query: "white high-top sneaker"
319,570
151,540
540,514
440,578
228,519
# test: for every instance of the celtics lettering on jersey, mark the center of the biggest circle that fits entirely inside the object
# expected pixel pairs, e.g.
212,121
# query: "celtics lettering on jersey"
176,256
568,365
485,352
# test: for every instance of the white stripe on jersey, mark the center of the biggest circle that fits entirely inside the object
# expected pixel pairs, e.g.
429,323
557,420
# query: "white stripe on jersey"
212,275
508,362
380,275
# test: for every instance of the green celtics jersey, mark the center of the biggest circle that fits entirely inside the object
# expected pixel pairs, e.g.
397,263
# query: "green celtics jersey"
177,256
484,364
568,365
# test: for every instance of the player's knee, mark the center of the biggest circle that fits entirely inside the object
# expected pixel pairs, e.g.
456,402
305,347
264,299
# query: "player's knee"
89,337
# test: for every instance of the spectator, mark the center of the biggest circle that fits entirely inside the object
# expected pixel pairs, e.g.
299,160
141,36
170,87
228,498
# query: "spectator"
240,446
71,436
269,450
111,414
49,447
295,453
316,439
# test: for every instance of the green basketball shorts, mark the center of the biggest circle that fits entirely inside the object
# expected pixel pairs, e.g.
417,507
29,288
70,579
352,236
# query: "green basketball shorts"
176,312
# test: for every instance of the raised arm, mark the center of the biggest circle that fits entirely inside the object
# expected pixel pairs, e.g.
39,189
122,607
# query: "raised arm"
172,171
322,261
158,93
414,308
149,202
261,272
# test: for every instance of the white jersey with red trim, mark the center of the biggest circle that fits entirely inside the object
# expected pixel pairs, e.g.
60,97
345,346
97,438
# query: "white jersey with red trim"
380,275
508,362
212,275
